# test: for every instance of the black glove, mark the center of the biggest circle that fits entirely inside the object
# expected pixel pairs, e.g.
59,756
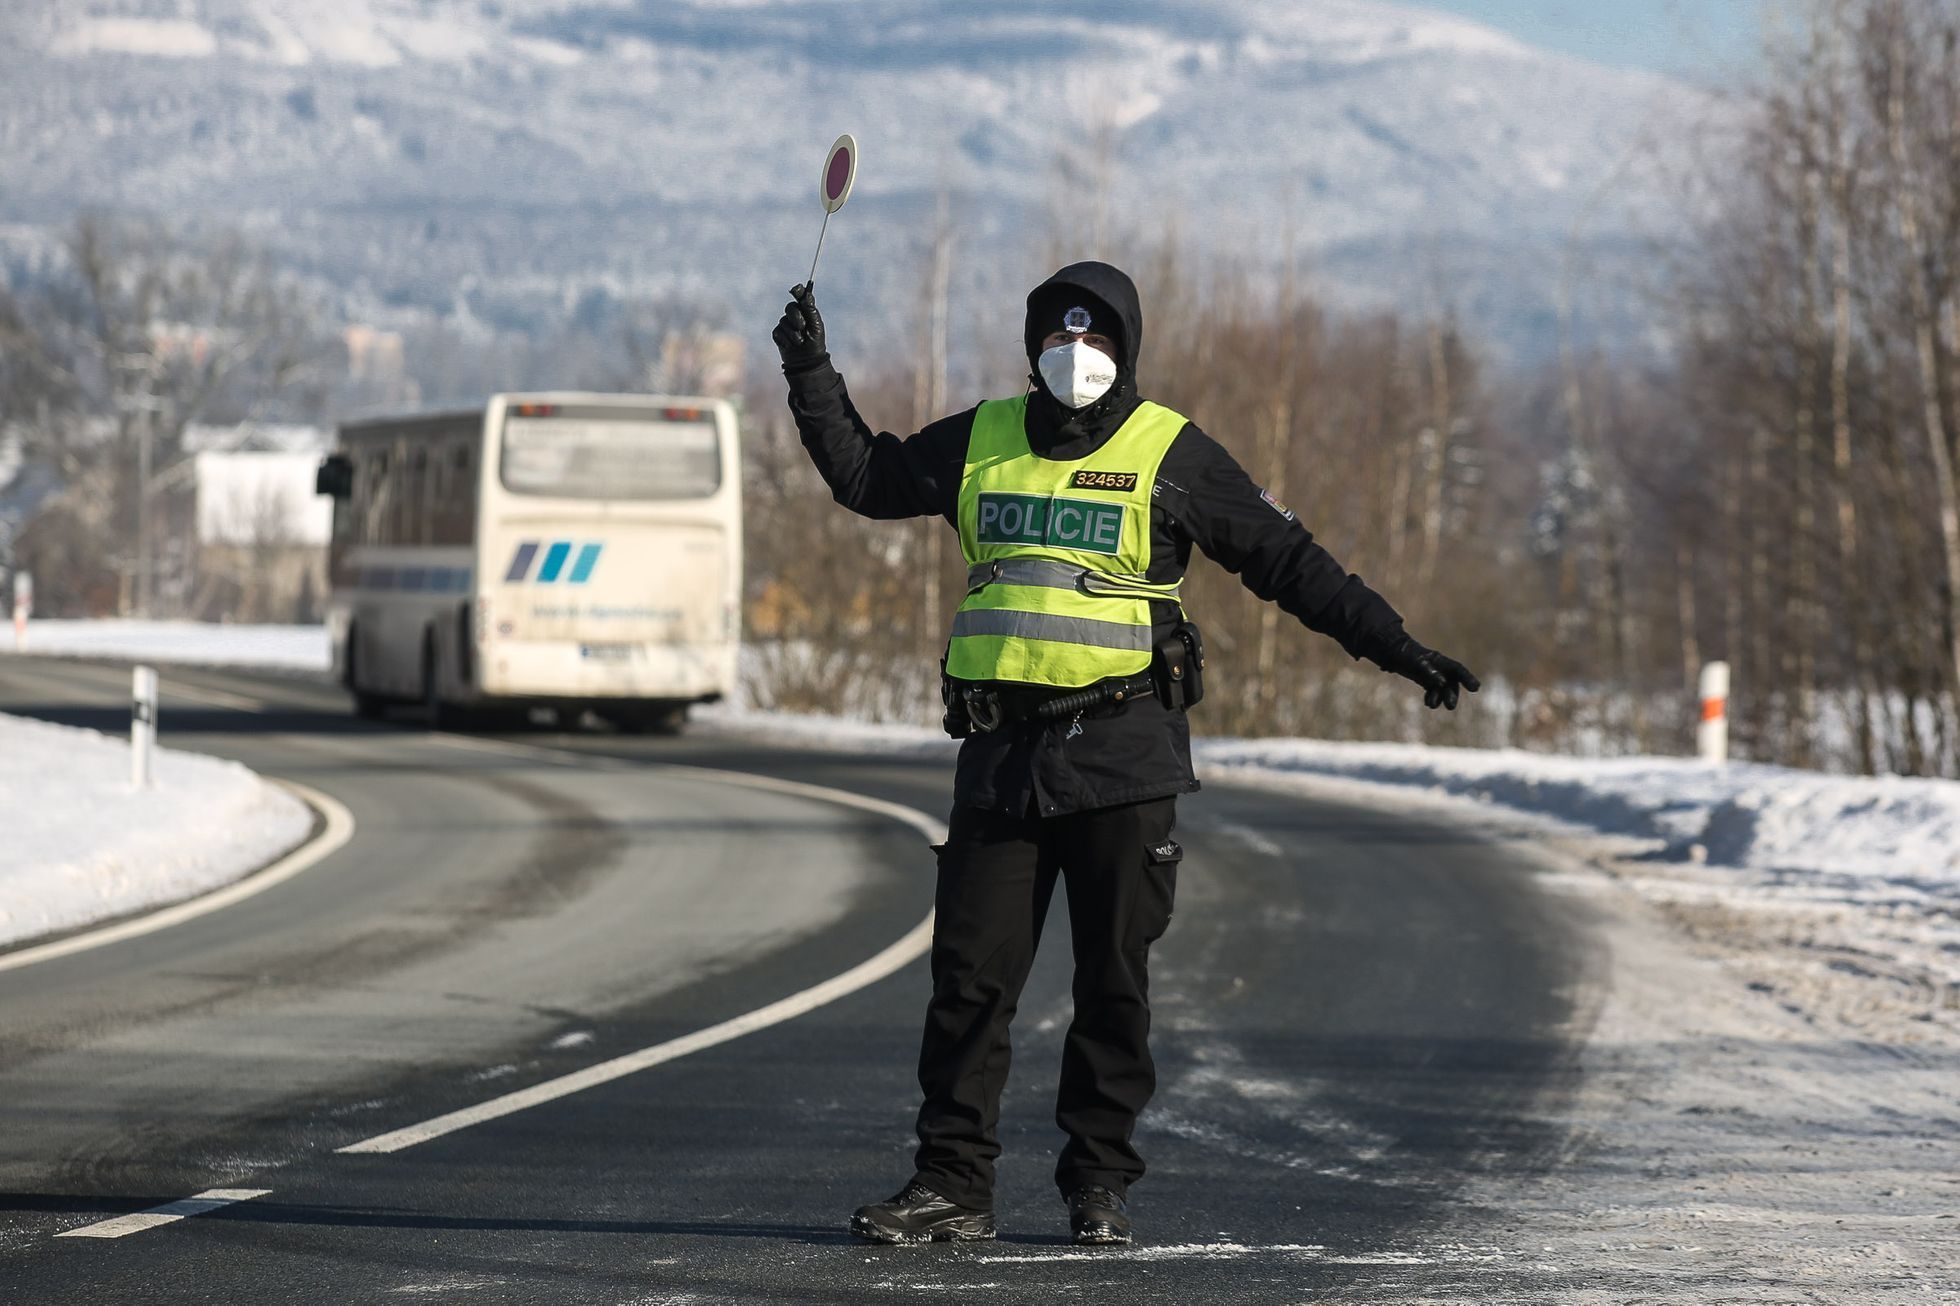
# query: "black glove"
799,336
1440,676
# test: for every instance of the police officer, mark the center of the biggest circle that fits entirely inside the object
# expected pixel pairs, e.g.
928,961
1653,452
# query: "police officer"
1077,506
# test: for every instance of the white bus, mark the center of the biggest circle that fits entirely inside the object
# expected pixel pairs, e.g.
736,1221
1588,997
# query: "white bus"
571,551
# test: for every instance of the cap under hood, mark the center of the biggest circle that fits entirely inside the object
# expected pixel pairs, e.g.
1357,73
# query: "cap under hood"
1106,293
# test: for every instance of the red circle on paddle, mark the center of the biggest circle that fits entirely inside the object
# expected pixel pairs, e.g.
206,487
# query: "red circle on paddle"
839,172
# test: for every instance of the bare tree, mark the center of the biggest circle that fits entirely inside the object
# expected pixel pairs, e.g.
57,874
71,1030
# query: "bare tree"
139,335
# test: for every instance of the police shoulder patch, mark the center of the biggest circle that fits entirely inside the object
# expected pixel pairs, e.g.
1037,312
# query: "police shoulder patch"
1088,480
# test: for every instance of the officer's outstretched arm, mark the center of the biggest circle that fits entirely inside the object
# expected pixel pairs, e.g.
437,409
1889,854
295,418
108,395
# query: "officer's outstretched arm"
874,475
1252,534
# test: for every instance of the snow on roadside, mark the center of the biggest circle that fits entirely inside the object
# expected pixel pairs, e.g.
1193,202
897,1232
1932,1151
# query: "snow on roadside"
79,844
296,648
1883,839
1857,875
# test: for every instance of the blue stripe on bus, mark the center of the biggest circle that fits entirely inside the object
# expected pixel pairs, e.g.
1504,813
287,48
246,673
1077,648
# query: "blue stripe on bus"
554,561
414,580
520,562
588,557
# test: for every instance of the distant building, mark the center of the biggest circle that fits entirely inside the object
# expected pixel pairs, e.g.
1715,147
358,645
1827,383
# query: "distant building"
260,538
373,355
183,341
708,363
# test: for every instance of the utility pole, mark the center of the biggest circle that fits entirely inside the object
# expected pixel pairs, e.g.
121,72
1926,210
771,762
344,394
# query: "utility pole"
144,455
139,402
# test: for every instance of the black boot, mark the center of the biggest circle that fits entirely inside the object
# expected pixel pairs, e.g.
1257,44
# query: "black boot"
918,1215
1098,1217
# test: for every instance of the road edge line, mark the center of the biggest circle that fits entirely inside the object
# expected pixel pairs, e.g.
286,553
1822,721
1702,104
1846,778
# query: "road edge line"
336,828
914,943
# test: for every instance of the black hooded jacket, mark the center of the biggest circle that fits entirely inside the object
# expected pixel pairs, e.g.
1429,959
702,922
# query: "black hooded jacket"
1202,497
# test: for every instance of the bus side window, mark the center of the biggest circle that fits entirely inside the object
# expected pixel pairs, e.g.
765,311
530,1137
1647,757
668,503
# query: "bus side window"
465,481
346,524
380,502
439,492
416,499
454,494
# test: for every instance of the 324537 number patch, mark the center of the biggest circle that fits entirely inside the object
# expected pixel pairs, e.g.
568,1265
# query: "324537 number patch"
1088,480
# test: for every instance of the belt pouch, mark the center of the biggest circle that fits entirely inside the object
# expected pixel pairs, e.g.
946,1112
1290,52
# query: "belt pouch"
1177,666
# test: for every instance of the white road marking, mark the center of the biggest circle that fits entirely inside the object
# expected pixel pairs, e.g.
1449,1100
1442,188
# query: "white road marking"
1250,837
906,949
169,1213
1172,1252
337,830
215,697
911,946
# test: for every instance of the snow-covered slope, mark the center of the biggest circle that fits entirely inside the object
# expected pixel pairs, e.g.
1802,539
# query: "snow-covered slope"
528,146
78,844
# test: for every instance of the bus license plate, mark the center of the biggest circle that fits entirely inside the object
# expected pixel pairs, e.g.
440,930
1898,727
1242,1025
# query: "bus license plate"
609,652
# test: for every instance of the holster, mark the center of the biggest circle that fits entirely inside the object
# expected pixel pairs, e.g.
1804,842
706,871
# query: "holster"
956,722
1177,666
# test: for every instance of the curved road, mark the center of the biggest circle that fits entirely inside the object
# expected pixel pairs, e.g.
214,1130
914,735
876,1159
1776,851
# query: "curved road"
1357,1016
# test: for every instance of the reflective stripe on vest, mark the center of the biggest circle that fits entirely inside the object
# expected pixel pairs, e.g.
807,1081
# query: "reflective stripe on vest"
1048,626
1057,553
1065,576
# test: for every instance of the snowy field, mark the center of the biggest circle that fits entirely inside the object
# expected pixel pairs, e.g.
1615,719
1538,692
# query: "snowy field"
292,648
79,844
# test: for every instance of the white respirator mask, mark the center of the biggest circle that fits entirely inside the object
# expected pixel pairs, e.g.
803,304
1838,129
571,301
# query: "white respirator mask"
1077,374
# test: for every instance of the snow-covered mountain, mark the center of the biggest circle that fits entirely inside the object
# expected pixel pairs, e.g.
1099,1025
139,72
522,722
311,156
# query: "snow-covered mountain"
519,153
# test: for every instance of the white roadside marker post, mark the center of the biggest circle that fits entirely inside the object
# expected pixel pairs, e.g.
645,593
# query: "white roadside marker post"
23,608
1712,735
142,724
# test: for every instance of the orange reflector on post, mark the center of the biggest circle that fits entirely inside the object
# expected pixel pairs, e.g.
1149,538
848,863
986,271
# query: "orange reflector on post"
1712,735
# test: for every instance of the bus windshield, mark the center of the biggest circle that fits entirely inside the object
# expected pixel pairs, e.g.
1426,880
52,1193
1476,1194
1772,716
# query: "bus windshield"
609,453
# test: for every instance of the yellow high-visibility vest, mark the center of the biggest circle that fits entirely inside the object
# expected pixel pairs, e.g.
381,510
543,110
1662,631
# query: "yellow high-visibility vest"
1057,552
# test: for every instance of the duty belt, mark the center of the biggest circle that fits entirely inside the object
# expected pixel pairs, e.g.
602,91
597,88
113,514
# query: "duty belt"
1041,573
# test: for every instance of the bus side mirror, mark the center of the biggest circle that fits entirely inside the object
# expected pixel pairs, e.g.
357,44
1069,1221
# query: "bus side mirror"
335,477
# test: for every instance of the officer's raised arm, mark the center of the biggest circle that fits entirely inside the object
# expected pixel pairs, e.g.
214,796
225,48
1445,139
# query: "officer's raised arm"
874,475
1259,539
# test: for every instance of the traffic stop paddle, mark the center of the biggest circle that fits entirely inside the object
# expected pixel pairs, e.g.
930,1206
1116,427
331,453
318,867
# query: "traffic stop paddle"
840,170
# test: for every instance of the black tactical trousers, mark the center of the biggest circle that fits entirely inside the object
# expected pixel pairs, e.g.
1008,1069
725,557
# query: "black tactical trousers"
996,876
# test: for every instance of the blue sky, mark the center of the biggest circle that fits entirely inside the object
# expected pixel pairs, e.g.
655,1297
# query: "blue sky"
1676,36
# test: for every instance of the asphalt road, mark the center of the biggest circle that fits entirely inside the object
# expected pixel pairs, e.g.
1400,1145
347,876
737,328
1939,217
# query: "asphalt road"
1357,1016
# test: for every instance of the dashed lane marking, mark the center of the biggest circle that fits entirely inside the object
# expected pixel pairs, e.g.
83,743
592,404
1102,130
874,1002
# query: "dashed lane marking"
337,829
122,1226
911,946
